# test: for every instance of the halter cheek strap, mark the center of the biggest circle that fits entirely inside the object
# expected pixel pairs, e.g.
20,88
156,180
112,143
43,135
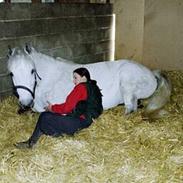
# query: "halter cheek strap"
37,75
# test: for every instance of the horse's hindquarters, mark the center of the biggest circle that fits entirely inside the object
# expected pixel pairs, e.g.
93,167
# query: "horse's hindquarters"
137,80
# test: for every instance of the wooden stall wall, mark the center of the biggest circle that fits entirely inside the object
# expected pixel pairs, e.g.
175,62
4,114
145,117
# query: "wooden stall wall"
129,29
74,31
163,34
150,31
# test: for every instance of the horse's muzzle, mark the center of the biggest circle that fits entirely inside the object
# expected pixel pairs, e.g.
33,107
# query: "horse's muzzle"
28,106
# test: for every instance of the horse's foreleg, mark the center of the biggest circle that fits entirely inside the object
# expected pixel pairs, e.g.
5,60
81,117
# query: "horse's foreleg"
39,104
130,102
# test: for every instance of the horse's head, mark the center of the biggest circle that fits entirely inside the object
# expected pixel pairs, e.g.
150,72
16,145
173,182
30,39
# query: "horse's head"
24,76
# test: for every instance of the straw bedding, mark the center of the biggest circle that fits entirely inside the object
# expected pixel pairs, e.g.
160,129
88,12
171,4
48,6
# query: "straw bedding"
116,148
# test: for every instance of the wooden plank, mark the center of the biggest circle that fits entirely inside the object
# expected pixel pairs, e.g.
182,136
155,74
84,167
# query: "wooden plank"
3,65
7,1
52,25
6,93
48,41
36,1
72,1
90,58
24,11
67,50
71,51
5,83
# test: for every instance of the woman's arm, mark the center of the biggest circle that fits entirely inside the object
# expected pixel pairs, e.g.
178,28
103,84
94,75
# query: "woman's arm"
77,94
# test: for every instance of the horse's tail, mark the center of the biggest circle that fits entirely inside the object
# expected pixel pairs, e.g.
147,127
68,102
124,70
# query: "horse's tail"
161,95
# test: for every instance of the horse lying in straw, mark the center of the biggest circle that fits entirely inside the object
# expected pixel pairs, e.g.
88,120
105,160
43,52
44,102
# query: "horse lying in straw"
39,78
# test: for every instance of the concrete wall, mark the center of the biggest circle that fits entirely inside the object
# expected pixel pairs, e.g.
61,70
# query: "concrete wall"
151,32
78,32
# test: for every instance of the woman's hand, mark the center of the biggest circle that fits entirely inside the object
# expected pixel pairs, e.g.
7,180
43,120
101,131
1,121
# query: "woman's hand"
48,108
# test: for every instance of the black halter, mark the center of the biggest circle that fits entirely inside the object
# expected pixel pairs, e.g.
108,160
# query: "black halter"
25,88
15,87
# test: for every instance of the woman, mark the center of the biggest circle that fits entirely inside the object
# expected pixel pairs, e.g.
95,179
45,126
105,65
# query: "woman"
82,105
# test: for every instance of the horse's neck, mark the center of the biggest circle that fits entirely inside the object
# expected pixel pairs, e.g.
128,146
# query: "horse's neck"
51,69
45,64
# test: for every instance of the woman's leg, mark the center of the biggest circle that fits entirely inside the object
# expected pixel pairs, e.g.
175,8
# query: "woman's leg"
54,125
35,135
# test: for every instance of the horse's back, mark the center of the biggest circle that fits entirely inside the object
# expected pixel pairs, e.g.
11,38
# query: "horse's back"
106,74
120,78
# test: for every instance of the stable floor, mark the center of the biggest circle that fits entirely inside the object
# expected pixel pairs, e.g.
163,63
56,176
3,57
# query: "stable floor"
115,148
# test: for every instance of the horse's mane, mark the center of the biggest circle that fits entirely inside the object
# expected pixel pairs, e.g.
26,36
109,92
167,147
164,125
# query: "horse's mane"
65,61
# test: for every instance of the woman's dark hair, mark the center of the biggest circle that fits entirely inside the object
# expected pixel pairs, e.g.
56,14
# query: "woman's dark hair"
83,72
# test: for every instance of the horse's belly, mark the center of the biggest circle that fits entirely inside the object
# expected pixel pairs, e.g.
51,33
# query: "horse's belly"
110,104
112,99
141,89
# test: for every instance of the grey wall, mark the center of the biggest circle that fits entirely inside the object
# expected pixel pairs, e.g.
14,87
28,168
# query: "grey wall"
79,32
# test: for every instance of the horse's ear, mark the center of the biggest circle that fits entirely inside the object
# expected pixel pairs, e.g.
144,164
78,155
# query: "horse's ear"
28,48
11,52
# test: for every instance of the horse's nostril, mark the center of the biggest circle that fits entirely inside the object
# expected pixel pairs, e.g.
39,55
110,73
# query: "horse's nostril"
26,104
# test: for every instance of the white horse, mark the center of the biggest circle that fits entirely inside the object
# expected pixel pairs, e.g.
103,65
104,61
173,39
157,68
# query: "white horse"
39,78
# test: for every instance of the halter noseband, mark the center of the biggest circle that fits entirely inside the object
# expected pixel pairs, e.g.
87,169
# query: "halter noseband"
25,88
15,87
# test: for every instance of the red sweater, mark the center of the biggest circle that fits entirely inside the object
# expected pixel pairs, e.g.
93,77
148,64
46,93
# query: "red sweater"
77,94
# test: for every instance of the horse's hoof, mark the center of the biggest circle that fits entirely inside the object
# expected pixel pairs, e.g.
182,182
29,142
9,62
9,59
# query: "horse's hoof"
128,111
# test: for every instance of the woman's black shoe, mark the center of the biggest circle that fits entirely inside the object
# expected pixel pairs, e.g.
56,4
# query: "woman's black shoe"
24,145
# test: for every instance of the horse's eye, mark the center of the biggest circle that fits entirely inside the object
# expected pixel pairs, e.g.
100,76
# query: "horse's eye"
11,74
32,71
